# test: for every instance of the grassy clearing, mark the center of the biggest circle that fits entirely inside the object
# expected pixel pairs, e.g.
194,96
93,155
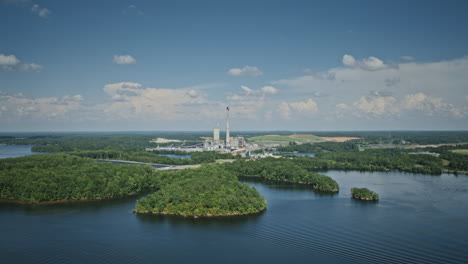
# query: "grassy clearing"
278,139
460,151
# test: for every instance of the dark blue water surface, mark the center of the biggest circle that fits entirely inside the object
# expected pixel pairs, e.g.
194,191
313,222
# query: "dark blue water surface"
419,219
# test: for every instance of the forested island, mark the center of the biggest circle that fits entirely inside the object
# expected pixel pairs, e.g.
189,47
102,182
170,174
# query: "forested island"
208,191
364,194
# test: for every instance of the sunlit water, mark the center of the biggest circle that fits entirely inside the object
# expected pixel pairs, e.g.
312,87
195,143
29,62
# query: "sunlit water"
419,219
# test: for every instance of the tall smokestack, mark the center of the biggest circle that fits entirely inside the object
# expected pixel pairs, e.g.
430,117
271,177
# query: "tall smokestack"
228,137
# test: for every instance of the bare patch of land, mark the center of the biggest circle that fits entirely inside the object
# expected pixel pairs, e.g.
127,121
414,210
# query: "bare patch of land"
338,139
302,138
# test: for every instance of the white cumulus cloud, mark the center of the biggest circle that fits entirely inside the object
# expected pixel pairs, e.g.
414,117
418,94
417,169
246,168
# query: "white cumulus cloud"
245,71
269,90
399,92
40,11
376,105
306,108
132,100
124,59
371,63
390,106
348,60
8,60
17,106
30,67
10,63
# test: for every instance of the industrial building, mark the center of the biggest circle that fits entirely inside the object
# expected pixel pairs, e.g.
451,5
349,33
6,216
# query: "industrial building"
236,145
230,144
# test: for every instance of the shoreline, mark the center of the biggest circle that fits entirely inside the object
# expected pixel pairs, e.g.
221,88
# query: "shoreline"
293,182
17,201
364,199
197,216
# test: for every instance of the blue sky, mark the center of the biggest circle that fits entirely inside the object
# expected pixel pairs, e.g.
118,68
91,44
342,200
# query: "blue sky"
280,65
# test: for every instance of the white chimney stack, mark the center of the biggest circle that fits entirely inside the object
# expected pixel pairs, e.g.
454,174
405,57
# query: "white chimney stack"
228,137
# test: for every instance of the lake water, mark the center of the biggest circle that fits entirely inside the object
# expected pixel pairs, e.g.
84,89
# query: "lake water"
7,151
176,156
419,219
299,154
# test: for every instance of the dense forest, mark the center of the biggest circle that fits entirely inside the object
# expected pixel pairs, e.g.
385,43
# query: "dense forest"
346,156
376,160
455,162
364,194
320,147
207,191
52,177
283,169
150,157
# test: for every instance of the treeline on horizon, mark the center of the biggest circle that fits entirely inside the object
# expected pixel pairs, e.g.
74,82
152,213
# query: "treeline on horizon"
125,141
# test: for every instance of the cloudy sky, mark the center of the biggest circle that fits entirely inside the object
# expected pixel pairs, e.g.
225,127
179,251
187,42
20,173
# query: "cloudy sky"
132,65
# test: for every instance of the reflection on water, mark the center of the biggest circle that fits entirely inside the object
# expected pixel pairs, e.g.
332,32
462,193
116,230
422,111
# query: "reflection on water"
203,221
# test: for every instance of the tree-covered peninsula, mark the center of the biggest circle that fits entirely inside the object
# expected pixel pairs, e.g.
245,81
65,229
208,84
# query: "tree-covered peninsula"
364,194
285,170
203,192
58,177
207,191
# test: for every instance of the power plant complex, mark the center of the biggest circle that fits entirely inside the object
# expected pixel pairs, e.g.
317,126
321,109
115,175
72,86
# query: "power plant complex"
236,145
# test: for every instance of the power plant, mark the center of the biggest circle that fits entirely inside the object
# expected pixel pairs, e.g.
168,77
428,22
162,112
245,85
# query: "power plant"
231,144
235,145
228,138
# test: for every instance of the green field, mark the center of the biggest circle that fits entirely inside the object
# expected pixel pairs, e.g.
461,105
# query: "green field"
460,151
284,140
